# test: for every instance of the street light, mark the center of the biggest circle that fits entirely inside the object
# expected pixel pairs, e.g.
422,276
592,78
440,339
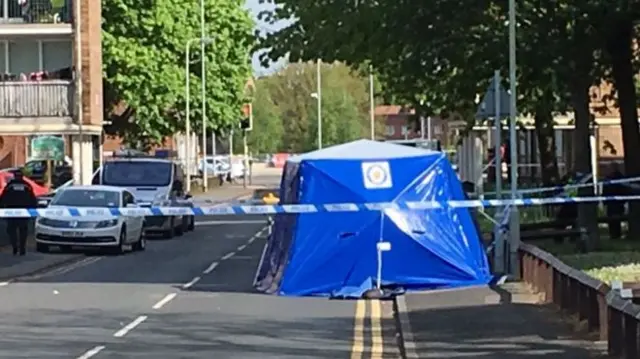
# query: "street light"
318,96
204,41
372,116
514,226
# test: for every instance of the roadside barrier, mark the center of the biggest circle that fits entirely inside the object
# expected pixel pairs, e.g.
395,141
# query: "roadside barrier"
297,208
615,319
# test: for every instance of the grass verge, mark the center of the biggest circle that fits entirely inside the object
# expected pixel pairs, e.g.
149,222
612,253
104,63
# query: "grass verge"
614,259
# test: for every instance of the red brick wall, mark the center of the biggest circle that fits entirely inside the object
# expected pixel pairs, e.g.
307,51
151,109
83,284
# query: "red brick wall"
91,60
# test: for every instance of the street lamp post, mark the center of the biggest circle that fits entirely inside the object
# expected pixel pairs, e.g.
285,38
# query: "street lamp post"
372,116
205,176
515,219
319,98
204,41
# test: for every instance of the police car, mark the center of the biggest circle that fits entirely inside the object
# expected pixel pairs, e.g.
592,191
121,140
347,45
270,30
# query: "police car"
155,182
107,232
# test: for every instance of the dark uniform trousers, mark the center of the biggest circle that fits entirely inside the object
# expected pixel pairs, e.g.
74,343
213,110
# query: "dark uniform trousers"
18,230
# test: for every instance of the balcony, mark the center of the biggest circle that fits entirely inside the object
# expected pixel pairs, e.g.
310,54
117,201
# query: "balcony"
35,17
37,106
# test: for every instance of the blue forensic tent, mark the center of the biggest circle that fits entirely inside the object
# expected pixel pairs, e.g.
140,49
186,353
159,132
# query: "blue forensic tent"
335,254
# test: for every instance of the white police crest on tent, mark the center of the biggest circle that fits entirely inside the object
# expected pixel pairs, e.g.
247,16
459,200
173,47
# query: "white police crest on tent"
376,175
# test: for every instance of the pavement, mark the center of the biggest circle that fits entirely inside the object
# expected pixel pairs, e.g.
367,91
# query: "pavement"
187,297
482,322
230,192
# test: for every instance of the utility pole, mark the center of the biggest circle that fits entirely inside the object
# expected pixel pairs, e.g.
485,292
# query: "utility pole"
205,174
319,98
372,116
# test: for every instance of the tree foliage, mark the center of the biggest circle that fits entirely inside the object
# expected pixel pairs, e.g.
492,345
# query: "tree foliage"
144,45
285,113
438,57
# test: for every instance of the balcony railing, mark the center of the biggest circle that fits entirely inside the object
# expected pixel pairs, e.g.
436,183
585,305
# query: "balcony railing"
37,99
35,11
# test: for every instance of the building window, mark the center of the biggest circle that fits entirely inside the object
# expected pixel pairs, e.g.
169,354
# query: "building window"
3,57
56,55
27,56
24,57
389,130
437,130
405,130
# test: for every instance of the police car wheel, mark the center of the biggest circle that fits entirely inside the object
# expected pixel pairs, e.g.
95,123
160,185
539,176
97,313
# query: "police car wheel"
141,244
119,248
179,230
192,223
168,234
42,248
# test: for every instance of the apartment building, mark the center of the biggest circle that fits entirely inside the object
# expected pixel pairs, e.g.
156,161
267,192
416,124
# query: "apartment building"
51,77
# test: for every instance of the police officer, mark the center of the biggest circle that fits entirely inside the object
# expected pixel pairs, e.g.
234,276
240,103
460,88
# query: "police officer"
615,209
18,194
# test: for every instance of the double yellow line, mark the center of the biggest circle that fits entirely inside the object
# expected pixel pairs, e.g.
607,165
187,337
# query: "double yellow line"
375,329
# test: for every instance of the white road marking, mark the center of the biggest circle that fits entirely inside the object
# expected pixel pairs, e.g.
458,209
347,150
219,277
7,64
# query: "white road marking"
89,353
228,255
242,247
214,223
210,268
4,284
191,283
129,327
165,300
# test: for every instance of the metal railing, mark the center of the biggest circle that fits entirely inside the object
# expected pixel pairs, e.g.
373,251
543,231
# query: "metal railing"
35,11
615,319
49,98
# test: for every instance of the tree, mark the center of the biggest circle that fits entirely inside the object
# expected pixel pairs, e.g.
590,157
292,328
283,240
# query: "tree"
345,106
442,67
144,63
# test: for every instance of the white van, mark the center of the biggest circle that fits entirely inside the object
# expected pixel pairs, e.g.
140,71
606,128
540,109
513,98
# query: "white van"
154,183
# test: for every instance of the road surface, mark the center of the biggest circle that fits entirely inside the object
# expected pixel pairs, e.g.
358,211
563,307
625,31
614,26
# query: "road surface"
189,297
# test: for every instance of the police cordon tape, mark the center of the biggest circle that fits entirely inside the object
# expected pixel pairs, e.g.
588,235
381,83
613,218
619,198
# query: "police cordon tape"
297,208
628,182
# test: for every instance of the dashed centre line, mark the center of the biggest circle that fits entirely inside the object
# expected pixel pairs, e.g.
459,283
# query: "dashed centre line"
161,303
228,255
191,283
210,268
129,327
91,352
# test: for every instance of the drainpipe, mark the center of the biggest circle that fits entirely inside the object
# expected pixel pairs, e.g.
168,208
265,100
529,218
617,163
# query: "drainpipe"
78,82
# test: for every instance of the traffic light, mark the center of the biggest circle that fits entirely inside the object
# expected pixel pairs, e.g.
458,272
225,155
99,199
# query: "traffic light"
245,124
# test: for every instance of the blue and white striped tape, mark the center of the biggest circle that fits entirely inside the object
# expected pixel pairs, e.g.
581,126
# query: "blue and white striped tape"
297,208
630,183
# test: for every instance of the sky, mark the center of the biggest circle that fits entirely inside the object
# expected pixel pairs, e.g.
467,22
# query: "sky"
255,7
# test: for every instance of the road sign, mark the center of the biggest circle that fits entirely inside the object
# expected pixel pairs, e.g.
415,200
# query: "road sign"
487,107
45,148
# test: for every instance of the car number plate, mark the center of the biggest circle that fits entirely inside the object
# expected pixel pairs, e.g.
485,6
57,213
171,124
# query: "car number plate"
74,234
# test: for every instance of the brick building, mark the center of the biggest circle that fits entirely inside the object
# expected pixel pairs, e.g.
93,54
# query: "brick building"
41,47
401,124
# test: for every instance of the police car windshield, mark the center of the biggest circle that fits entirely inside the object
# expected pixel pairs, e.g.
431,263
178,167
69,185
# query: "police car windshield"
87,198
136,174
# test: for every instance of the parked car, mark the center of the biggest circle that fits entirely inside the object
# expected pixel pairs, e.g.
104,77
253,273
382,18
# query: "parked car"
115,233
38,189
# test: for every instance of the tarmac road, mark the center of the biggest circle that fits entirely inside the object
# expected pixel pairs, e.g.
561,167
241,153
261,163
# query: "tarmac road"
189,297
